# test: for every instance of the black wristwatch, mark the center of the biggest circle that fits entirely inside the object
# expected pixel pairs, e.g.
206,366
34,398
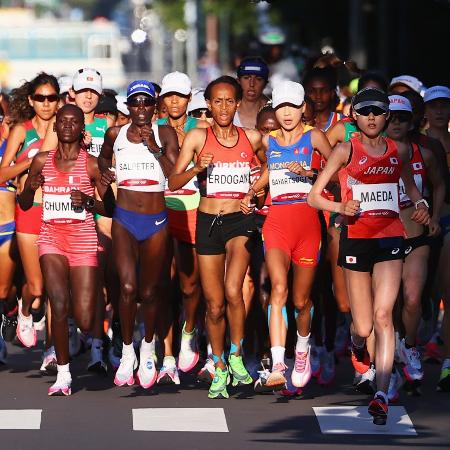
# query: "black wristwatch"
90,203
162,152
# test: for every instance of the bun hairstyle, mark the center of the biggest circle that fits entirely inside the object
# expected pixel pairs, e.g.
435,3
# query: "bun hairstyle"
20,109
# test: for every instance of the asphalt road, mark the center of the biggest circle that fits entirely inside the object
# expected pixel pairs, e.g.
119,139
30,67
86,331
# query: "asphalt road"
99,415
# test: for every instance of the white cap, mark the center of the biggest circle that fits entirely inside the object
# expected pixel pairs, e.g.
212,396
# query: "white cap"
435,92
197,101
65,83
412,82
399,103
87,78
176,82
121,105
288,92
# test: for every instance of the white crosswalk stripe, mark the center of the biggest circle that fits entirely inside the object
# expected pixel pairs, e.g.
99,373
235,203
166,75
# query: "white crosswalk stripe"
20,419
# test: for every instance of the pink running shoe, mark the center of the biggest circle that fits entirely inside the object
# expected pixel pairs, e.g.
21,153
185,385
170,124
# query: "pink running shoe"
302,369
125,372
146,374
25,331
62,386
296,392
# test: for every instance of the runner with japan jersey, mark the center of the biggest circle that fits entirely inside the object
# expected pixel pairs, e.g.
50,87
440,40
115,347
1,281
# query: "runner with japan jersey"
371,243
291,169
222,155
182,212
144,156
33,106
68,240
425,171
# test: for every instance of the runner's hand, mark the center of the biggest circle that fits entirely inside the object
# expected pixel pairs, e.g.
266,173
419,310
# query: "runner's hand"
87,139
421,215
148,138
298,169
350,208
78,199
36,181
203,162
434,228
247,205
108,177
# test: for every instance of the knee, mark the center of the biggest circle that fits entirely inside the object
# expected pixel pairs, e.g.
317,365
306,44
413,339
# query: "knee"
128,292
278,294
149,296
215,313
383,317
85,322
190,290
233,293
412,301
301,302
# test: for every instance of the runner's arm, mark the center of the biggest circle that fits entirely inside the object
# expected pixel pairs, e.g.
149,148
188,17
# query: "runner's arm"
336,134
15,140
169,143
34,181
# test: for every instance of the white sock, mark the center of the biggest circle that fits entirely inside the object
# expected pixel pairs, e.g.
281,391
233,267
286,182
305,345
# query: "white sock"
147,347
277,354
302,343
209,350
63,368
127,349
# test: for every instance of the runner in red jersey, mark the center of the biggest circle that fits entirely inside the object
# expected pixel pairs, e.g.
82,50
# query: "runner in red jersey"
33,107
222,156
68,240
371,245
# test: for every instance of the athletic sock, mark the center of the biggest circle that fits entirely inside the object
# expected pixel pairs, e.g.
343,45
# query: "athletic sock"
127,349
277,354
382,395
302,343
63,368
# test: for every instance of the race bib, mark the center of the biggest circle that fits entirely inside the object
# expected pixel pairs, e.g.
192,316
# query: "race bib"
96,146
377,199
58,208
285,185
190,188
227,182
404,199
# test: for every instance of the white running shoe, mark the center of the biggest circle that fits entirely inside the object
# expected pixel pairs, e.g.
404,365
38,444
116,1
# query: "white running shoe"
302,369
207,373
49,364
147,373
394,384
410,357
366,384
168,374
96,364
26,332
62,385
189,354
125,372
3,351
74,339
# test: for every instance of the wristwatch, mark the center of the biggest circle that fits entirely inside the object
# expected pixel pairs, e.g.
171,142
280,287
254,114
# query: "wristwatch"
90,203
422,200
162,152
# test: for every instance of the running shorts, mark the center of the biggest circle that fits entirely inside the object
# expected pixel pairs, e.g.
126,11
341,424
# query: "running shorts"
74,259
29,222
182,224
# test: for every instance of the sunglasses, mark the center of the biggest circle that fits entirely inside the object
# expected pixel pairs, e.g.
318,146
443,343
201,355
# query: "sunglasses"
402,117
41,98
366,110
134,102
198,113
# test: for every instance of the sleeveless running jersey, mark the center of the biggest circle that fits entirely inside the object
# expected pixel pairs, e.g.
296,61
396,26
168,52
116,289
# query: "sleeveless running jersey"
31,144
97,129
7,186
228,176
351,129
136,167
285,186
419,172
188,197
332,119
70,229
374,182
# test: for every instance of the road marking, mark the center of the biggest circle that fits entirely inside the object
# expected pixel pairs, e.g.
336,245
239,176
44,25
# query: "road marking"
211,420
356,420
20,419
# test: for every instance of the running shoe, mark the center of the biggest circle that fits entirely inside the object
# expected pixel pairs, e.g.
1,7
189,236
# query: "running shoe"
218,388
49,364
360,359
238,371
328,369
432,353
366,384
394,384
206,373
168,374
316,354
302,369
124,374
39,317
276,380
74,339
378,409
341,340
96,364
189,354
146,374
444,380
290,393
260,386
9,325
25,329
356,378
3,351
412,368
62,385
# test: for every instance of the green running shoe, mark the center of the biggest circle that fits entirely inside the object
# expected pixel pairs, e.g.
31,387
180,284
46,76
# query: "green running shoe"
238,370
218,388
444,380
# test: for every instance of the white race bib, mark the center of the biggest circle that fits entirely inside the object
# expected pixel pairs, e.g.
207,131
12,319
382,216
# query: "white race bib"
96,146
227,182
377,199
190,188
404,199
57,208
285,185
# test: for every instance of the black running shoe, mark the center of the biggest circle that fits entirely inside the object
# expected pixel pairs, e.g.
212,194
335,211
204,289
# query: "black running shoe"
8,327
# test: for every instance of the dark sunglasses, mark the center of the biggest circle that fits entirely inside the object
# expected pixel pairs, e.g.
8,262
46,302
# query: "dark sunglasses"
198,113
41,98
366,110
134,102
402,117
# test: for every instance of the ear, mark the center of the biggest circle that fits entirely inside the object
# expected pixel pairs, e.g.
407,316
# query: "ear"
72,93
30,101
354,115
